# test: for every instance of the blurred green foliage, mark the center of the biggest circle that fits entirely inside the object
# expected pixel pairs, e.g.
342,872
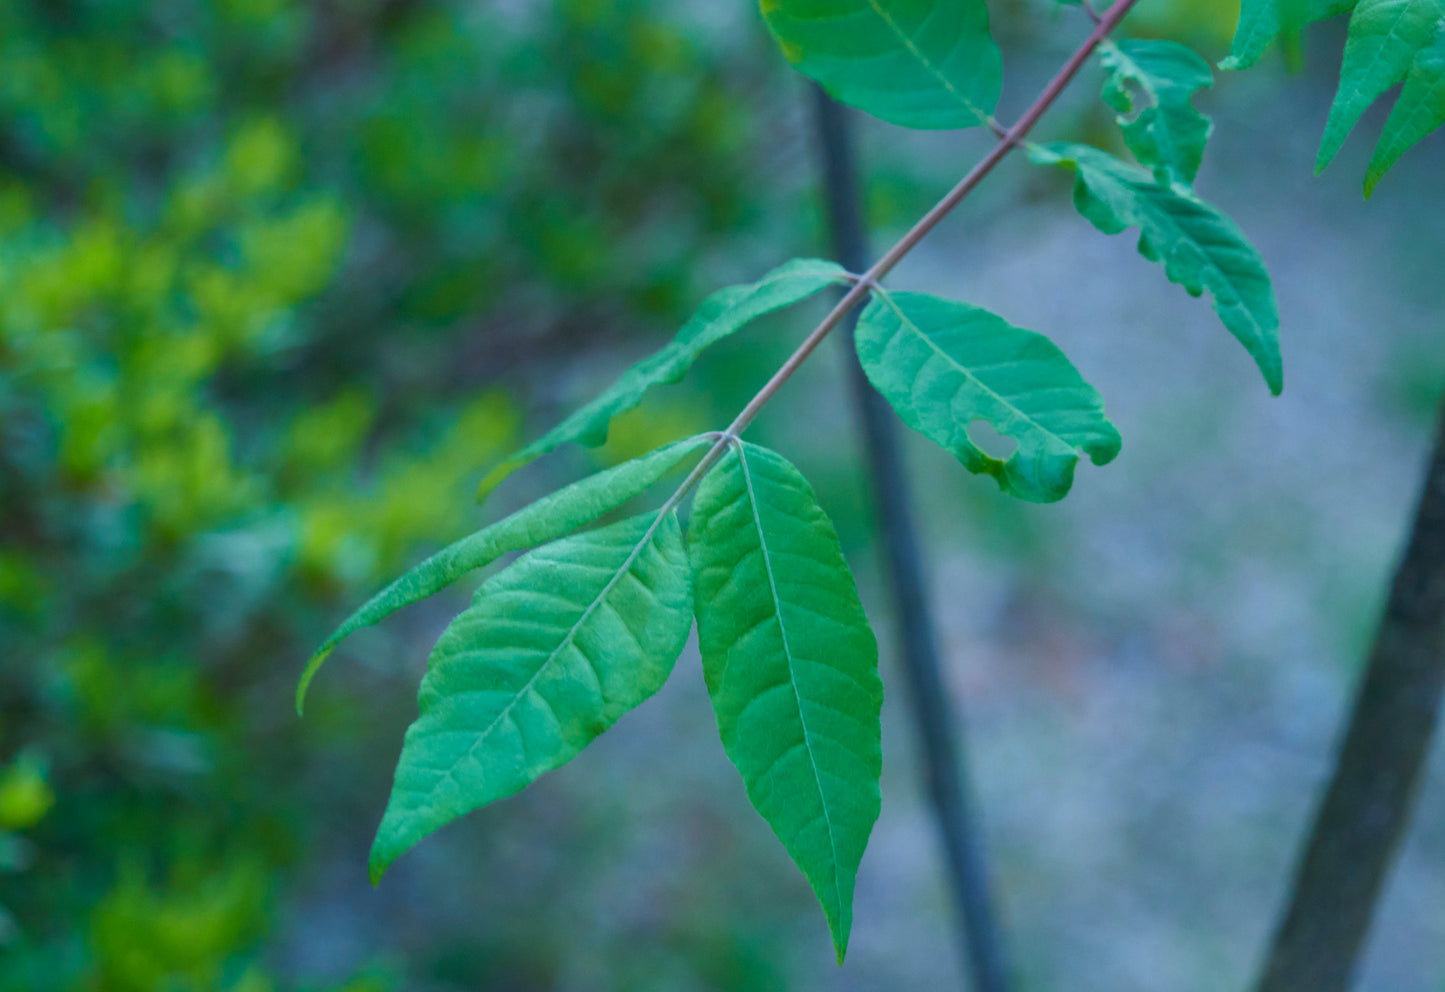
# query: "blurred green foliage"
268,272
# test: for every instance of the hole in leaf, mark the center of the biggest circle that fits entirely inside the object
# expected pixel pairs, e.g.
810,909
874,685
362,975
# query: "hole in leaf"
1138,100
990,441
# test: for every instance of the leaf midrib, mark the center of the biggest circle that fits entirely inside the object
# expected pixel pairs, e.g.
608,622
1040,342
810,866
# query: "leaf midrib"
1381,41
701,340
1421,108
1146,210
622,570
792,681
969,374
1206,252
927,63
640,377
1340,132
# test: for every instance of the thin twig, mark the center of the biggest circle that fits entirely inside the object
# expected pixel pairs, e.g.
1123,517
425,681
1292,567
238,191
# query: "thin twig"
862,286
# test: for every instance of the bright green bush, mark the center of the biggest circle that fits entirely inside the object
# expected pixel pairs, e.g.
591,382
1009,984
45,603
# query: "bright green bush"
254,261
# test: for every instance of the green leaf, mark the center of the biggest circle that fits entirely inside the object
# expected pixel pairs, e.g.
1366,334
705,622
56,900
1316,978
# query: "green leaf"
1386,40
1419,110
721,314
1166,134
550,654
944,364
791,665
918,63
1261,21
547,519
1198,245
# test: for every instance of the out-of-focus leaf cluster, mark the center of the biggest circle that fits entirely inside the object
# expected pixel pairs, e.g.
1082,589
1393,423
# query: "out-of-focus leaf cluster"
267,271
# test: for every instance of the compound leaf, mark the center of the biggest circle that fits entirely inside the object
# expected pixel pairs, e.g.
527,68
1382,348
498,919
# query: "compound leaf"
721,314
1419,110
547,519
791,665
1198,245
918,63
550,654
1166,133
944,364
1386,42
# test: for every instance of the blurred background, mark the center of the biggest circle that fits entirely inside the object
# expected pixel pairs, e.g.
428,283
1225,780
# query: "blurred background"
280,280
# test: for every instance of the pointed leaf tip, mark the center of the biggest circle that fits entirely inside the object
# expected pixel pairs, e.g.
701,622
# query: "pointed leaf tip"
791,666
1418,111
1199,247
545,520
1389,42
313,664
552,652
498,474
722,314
1262,21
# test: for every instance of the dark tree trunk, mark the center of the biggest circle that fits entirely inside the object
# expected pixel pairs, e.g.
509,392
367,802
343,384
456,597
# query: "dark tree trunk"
1367,808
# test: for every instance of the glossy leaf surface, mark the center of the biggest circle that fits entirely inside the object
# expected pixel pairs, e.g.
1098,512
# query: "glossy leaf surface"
791,666
547,519
1390,41
944,364
917,63
1199,247
721,314
550,654
1163,129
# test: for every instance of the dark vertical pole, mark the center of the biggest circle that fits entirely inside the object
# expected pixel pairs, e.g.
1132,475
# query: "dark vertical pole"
1371,794
980,941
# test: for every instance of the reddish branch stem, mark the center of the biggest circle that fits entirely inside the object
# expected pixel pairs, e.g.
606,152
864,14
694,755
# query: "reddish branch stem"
1010,140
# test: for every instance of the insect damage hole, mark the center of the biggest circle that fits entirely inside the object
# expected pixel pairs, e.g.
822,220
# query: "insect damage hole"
983,437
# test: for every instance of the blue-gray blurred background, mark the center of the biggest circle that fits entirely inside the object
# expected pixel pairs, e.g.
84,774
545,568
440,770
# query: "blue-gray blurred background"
279,280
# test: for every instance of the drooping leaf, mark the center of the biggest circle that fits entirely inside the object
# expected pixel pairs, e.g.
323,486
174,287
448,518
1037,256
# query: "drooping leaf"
547,519
721,314
944,364
918,63
550,654
1419,110
1199,247
1261,21
1165,133
1386,39
791,665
